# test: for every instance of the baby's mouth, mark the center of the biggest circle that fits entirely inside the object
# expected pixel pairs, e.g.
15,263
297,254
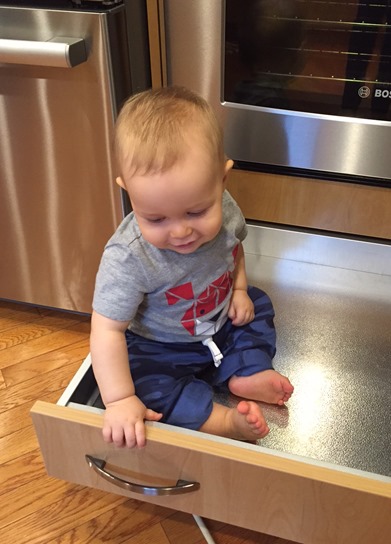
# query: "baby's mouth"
185,245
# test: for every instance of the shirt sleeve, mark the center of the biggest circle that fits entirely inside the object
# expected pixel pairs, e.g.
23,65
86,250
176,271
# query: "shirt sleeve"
234,216
119,288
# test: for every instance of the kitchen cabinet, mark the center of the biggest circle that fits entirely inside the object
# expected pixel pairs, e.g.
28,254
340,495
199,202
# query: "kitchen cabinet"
323,475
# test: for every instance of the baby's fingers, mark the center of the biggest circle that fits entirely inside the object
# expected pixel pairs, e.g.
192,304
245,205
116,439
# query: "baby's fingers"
240,319
139,434
139,428
151,415
113,434
232,312
106,433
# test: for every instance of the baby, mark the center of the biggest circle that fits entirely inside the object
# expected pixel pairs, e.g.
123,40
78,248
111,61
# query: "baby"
173,316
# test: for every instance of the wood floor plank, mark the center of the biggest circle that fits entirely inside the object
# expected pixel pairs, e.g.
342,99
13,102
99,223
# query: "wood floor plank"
17,504
19,417
33,389
14,311
118,524
153,534
36,366
14,315
15,419
229,534
22,470
11,321
24,332
16,444
45,344
181,527
75,506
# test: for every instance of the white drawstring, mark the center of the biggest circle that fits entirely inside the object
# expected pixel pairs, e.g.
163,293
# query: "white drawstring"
213,348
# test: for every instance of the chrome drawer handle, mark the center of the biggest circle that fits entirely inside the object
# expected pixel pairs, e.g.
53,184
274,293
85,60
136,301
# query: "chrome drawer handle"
98,465
57,52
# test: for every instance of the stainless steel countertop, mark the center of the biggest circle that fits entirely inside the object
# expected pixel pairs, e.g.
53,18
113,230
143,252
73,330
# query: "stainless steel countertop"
332,298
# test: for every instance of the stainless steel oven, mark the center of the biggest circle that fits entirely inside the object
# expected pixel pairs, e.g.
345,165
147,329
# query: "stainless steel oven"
65,68
298,84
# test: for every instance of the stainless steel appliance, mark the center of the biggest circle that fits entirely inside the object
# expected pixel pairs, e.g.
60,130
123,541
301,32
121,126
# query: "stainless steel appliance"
298,84
65,67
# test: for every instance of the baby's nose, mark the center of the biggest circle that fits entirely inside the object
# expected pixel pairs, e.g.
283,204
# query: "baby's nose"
181,230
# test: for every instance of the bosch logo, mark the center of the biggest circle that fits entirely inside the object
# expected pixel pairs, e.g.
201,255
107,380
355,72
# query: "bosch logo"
382,93
364,92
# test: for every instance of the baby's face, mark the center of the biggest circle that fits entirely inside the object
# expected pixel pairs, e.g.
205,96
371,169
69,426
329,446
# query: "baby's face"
180,209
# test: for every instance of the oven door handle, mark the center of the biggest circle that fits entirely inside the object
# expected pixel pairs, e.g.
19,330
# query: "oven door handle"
56,52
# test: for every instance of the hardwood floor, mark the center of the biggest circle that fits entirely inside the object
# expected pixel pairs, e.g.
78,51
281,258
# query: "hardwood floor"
40,350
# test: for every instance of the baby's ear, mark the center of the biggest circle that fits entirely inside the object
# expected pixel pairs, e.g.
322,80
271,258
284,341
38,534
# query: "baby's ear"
119,181
228,166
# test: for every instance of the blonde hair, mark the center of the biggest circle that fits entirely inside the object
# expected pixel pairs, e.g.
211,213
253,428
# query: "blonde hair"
155,128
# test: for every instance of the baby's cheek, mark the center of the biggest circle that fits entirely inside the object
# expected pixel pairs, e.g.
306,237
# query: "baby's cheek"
152,236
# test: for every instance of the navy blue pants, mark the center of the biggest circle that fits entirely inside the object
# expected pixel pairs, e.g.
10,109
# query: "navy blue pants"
177,379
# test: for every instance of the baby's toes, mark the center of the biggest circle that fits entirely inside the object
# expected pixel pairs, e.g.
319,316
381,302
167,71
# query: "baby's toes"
263,430
252,419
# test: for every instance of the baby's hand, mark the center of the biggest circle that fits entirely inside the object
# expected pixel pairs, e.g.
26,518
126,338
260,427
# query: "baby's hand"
124,422
241,309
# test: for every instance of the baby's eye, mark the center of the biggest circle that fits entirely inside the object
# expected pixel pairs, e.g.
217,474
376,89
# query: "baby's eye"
155,220
197,213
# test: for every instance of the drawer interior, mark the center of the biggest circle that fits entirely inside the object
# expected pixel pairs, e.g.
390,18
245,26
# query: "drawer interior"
87,392
332,298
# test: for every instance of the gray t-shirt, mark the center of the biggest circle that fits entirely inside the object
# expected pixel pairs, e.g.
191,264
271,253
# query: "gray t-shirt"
165,295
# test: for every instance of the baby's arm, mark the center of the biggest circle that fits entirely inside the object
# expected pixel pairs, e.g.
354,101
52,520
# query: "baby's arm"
125,413
241,309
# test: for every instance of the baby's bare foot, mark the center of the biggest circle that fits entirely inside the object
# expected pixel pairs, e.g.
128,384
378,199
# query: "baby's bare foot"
275,388
267,386
247,421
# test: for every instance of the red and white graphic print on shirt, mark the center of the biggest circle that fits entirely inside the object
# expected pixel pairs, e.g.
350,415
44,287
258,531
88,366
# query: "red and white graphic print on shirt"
200,317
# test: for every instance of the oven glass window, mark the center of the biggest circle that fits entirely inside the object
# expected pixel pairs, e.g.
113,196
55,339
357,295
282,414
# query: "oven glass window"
313,56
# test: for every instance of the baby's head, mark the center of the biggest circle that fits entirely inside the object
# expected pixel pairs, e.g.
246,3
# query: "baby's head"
170,152
156,128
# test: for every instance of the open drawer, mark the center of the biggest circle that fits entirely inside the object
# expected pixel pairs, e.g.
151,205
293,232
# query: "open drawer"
323,474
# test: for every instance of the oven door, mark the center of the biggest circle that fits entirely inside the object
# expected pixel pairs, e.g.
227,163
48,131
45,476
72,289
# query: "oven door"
297,84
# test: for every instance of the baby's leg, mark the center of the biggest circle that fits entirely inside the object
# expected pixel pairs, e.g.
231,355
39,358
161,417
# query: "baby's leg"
267,386
249,358
244,422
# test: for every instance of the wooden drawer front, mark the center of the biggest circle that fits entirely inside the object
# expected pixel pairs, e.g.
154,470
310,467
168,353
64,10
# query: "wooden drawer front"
326,205
241,484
